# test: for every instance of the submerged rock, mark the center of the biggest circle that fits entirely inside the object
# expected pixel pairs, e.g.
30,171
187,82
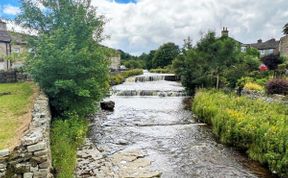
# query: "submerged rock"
107,105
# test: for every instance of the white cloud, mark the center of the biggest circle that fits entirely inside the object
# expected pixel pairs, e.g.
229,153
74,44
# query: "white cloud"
11,10
143,26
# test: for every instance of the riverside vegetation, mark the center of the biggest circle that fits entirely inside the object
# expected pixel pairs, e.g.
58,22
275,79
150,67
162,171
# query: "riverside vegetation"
70,66
254,126
119,78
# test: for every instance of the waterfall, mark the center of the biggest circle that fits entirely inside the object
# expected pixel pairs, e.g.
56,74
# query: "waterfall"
150,84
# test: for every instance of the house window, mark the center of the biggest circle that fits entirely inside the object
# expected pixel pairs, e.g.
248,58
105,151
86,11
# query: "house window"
243,49
270,51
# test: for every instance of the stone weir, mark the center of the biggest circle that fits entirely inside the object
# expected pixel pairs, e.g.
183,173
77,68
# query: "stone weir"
32,157
156,77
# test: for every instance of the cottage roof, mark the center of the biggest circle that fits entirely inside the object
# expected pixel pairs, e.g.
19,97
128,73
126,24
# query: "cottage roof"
270,44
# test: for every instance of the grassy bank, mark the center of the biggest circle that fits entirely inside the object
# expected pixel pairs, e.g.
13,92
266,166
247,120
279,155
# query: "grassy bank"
119,78
66,136
16,102
255,126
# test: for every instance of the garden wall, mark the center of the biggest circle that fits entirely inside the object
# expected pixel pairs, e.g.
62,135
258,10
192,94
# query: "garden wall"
32,157
12,76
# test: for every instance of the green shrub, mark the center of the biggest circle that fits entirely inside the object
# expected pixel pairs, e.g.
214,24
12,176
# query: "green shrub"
66,136
258,127
116,79
161,70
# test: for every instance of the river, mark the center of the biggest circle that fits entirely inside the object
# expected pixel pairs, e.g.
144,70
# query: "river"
150,134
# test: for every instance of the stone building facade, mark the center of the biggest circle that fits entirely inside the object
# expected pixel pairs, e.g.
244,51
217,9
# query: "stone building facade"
284,46
5,46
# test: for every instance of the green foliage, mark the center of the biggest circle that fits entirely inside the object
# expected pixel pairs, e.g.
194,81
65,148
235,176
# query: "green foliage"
118,78
134,64
161,70
214,62
253,125
66,136
66,60
165,55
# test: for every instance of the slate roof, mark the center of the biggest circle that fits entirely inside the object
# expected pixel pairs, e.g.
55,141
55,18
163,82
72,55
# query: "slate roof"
270,44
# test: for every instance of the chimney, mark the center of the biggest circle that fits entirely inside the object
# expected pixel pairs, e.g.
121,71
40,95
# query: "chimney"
225,32
259,41
3,26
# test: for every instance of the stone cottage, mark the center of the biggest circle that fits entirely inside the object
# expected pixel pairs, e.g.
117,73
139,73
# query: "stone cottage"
5,46
270,47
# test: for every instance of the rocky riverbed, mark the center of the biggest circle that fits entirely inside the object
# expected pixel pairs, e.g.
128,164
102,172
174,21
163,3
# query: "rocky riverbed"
154,136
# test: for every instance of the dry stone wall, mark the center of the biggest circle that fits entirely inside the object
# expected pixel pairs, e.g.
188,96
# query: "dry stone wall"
32,157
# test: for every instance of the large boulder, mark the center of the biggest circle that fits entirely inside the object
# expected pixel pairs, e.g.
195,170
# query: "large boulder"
107,105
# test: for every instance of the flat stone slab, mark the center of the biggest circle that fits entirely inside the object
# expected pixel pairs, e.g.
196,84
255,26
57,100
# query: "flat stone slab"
4,152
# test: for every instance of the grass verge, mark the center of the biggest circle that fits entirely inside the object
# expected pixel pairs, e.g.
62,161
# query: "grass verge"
255,126
16,101
66,137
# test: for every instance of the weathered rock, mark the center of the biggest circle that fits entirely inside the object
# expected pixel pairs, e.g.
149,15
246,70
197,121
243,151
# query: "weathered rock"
44,165
22,167
39,159
37,147
107,105
122,142
33,137
28,175
41,153
42,173
4,152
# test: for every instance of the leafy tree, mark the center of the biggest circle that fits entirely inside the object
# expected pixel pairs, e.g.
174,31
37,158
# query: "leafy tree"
66,59
214,62
134,64
165,55
285,29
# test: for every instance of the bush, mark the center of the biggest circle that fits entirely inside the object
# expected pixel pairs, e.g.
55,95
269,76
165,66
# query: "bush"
253,86
258,127
277,86
116,79
66,136
161,70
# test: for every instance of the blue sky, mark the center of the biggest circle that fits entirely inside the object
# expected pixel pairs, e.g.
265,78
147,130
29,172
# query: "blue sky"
9,8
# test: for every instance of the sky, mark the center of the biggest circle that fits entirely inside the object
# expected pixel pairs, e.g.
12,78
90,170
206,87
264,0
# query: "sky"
138,26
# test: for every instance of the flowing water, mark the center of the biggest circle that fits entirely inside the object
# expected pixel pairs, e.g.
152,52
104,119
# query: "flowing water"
150,134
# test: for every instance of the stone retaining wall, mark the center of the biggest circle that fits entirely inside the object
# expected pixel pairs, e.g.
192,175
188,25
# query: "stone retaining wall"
13,76
32,157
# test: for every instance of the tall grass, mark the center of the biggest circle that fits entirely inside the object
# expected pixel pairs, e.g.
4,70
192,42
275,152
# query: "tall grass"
254,126
66,136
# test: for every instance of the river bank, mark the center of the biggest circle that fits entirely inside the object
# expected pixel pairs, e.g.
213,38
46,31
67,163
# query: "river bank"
253,125
157,134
